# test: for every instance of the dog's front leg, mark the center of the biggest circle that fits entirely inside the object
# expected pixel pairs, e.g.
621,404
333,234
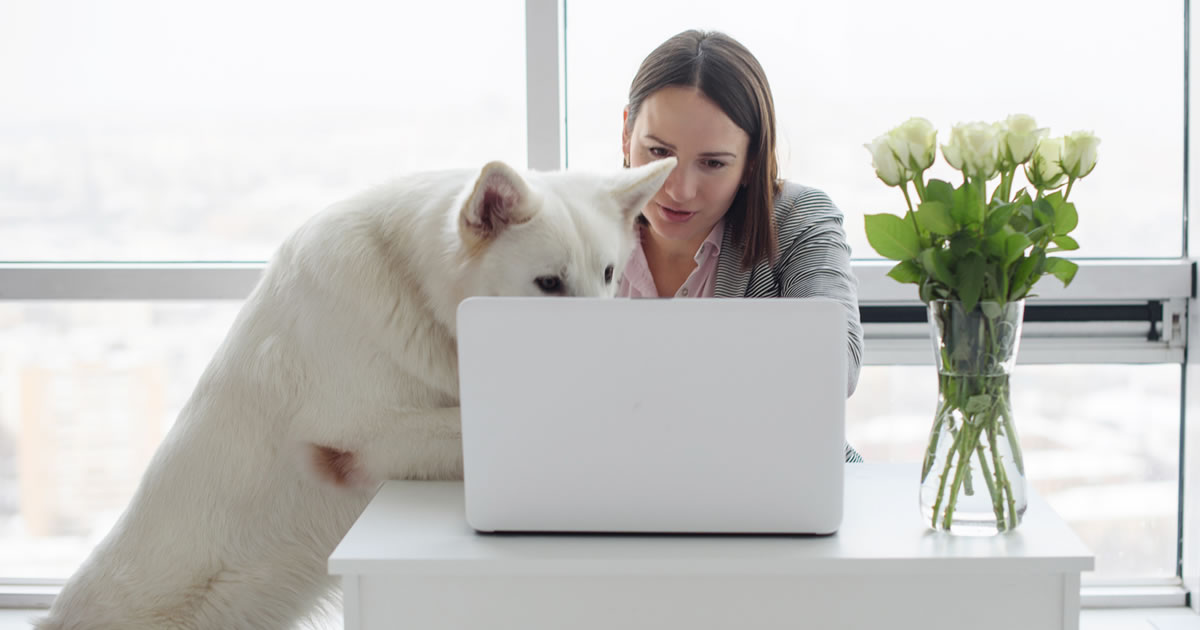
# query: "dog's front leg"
405,444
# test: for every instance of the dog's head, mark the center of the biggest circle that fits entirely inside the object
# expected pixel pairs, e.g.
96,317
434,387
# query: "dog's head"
559,233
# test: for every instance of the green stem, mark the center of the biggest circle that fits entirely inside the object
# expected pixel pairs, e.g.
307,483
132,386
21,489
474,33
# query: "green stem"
968,487
1011,435
965,446
1070,183
936,432
997,501
1005,485
1003,188
937,504
998,396
973,353
919,184
912,216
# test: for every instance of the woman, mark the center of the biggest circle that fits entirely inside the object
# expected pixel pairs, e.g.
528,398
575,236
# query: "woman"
723,224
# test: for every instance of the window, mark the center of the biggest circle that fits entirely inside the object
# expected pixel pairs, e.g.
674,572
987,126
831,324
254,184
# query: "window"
90,389
136,131
145,135
1101,445
843,73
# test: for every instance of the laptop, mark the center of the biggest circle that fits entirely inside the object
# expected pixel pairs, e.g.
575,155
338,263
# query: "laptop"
716,416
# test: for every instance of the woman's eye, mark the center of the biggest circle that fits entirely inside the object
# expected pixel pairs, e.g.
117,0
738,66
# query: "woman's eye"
608,274
549,284
659,152
714,164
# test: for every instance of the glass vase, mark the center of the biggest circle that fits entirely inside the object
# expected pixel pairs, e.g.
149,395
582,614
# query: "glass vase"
973,475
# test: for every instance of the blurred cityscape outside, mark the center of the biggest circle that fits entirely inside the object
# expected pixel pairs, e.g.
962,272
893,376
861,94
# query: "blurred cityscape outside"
110,153
88,389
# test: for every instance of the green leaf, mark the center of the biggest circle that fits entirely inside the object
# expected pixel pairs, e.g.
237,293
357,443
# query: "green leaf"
938,190
926,290
1065,243
998,217
934,263
1065,215
961,354
1014,247
1020,284
993,246
1036,234
1043,213
1022,220
1039,264
967,206
970,280
991,284
934,216
892,237
978,403
962,243
996,199
968,209
1065,218
1062,269
906,272
992,310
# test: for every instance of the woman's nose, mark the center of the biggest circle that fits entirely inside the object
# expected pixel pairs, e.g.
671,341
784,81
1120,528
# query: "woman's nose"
681,184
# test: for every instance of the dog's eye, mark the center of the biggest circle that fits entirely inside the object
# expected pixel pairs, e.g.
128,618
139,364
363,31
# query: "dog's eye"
608,273
549,284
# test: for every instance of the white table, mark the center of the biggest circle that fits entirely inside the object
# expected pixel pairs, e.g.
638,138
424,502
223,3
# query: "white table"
411,561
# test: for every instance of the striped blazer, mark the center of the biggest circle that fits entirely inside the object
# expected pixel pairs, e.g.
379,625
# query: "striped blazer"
814,261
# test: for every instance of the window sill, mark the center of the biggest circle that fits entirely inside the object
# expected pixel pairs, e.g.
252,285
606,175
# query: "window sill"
1173,618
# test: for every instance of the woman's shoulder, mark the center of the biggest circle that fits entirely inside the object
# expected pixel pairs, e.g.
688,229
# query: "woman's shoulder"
798,206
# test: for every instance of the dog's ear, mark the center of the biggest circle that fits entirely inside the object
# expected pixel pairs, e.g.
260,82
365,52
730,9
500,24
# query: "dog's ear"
500,198
636,186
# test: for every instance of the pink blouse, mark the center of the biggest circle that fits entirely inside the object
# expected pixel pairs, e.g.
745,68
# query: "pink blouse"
637,282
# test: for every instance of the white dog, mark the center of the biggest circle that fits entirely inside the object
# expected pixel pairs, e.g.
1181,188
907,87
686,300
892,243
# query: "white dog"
339,372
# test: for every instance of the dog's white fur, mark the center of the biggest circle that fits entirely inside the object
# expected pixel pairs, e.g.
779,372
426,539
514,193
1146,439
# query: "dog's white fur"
339,372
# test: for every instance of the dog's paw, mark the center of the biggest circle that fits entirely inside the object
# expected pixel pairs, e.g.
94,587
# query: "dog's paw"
338,467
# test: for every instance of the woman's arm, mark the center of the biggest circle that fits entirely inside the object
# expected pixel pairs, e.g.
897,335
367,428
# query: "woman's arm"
815,262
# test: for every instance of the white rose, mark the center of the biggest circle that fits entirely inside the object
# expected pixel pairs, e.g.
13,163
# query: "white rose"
1020,137
1044,171
1079,153
974,149
915,143
885,161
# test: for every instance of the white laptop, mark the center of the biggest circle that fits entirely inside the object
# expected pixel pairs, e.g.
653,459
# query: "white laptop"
653,416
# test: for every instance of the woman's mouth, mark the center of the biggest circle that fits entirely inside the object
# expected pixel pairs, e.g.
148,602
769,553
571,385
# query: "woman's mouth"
675,216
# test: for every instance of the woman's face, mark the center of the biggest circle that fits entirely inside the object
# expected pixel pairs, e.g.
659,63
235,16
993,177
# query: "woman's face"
711,149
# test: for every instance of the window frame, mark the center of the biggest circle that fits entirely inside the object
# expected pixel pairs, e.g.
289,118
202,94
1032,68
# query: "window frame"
1170,282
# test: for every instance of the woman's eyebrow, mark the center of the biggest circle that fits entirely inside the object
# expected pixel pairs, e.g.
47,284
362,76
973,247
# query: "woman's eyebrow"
704,154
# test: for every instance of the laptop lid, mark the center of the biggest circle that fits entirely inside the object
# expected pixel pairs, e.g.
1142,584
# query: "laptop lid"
616,415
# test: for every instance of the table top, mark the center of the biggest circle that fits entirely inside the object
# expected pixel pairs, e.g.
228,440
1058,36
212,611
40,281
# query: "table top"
420,528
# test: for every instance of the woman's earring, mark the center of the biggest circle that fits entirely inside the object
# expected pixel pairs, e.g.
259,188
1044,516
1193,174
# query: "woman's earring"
625,162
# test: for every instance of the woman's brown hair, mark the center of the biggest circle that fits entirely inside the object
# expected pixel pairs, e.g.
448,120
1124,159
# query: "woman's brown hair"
729,75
